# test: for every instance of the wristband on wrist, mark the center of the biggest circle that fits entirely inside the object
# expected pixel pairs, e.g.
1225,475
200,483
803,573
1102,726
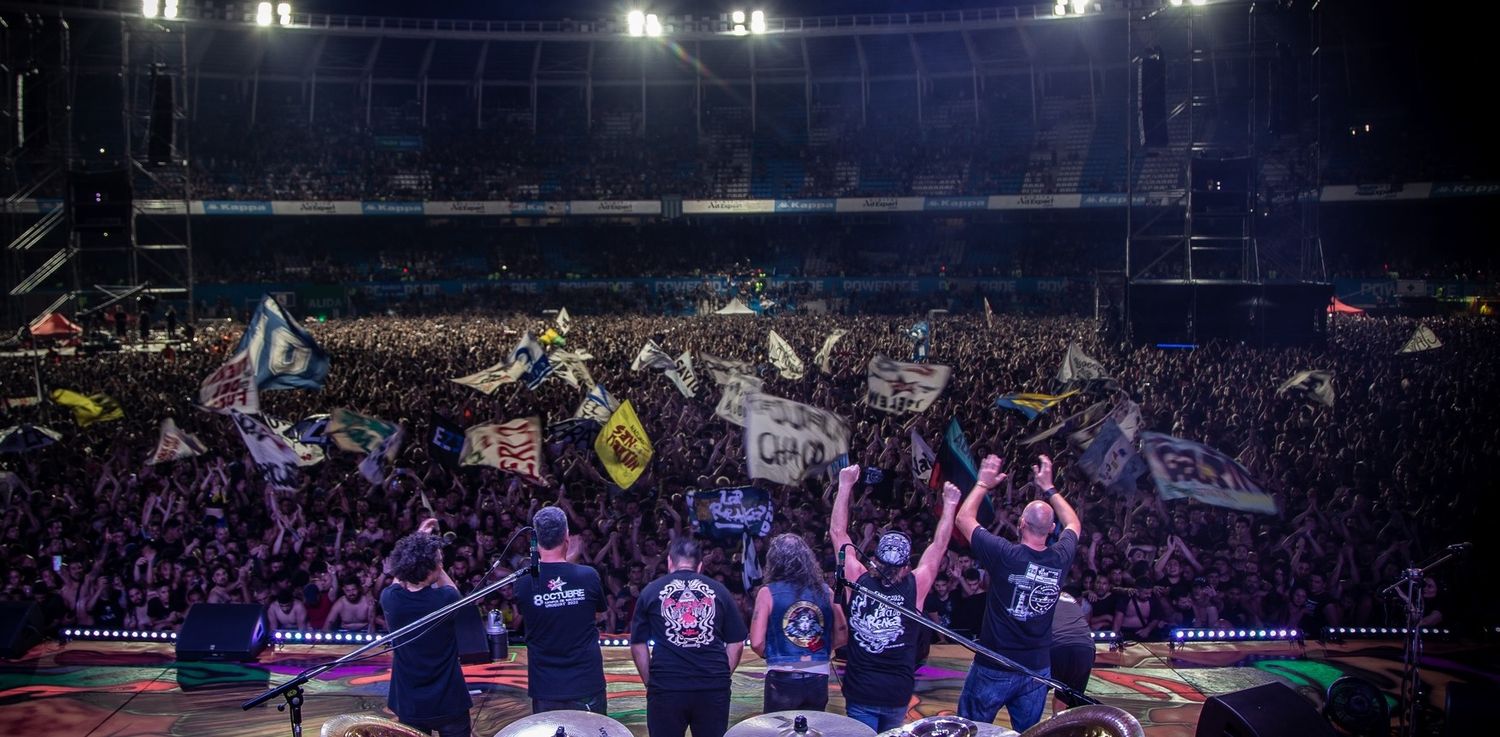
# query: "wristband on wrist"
1049,492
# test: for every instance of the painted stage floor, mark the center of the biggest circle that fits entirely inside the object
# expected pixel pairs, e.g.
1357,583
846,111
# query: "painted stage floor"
124,690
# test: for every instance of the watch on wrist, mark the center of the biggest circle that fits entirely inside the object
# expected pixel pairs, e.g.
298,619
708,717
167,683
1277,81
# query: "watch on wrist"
1049,492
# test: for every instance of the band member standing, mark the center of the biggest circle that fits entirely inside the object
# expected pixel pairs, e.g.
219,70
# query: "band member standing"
1025,580
883,655
427,686
1072,654
698,636
564,667
795,627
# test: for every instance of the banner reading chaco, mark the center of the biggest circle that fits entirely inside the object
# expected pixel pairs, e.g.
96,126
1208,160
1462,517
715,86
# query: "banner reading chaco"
727,514
824,356
784,358
1183,468
514,446
623,446
231,387
732,402
786,442
273,454
904,387
174,444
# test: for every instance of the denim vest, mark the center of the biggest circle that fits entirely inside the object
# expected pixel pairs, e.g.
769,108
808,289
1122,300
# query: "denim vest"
799,630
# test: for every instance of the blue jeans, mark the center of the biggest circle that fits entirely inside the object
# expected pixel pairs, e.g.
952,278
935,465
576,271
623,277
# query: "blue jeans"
878,718
986,690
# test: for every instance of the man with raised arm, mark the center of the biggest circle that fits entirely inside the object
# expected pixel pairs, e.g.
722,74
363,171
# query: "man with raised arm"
1025,579
883,648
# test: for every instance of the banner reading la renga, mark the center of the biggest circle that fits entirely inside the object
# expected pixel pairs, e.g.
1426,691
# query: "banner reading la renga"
786,442
1183,468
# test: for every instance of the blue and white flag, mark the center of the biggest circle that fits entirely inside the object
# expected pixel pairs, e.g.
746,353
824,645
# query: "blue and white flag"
1111,459
598,405
282,354
921,336
531,362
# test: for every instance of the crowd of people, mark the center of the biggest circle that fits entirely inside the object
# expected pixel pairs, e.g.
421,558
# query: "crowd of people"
1392,472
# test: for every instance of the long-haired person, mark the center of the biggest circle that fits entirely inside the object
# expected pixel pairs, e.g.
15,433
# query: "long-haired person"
795,627
883,655
427,686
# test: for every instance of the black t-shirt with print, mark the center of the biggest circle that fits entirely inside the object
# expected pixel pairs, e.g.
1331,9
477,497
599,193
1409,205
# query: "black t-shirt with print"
563,661
689,617
427,684
1024,585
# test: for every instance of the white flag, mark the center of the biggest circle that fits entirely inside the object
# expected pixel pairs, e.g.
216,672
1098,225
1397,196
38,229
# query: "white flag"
786,442
514,446
721,369
1126,415
732,402
989,314
570,366
899,388
784,358
824,357
231,387
598,405
174,444
273,453
1421,340
564,322
1077,366
922,458
652,357
1315,386
490,379
308,454
684,376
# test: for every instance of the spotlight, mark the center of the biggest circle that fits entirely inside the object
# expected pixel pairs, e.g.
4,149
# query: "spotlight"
263,14
1199,2
1079,6
758,21
1176,3
635,22
653,25
285,11
737,16
1060,9
150,8
169,10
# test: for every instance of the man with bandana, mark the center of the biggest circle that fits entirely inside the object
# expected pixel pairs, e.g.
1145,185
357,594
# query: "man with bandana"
882,644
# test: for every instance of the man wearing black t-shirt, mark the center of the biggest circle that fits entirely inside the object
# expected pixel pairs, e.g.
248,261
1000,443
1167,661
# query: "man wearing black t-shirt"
427,686
1025,580
564,667
686,639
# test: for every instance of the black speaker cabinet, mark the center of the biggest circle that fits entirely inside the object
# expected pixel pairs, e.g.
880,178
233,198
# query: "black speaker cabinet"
223,632
473,643
1272,710
20,627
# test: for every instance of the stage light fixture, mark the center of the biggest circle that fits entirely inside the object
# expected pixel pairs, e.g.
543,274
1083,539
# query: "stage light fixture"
284,10
150,8
263,14
737,16
169,10
653,25
1060,9
1175,3
635,23
1079,6
1199,3
758,21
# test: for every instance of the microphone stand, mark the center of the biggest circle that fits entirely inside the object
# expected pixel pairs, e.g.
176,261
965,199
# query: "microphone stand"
292,690
974,647
1413,580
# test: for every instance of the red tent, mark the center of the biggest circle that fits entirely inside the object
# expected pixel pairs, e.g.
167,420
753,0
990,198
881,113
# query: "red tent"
1337,307
55,326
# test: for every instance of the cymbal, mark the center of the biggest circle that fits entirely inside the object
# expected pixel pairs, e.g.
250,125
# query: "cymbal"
573,723
949,726
783,724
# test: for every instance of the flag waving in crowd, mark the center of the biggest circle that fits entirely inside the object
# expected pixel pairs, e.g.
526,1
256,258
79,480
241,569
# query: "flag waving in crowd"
784,358
88,409
623,447
514,446
1314,386
899,388
173,444
282,354
1032,404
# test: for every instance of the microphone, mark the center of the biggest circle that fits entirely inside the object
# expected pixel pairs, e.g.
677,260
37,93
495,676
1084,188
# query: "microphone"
536,559
449,537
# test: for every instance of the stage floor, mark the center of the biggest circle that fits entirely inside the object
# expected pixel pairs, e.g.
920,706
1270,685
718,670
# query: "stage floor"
123,690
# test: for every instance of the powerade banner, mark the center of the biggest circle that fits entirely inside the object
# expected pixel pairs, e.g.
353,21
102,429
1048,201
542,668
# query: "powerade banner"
728,514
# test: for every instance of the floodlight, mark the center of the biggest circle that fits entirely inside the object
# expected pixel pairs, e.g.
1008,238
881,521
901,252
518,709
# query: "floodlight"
1175,3
1060,9
1199,2
263,14
737,16
758,21
653,25
169,10
150,8
285,11
1079,6
636,23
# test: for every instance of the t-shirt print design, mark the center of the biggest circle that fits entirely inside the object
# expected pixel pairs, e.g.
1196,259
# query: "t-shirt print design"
875,625
558,594
1035,592
687,608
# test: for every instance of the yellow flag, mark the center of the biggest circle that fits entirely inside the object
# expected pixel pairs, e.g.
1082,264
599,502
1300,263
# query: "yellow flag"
623,446
90,409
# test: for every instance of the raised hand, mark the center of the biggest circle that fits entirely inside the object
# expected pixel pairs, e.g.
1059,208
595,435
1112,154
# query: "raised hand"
990,475
429,526
849,476
1041,474
951,494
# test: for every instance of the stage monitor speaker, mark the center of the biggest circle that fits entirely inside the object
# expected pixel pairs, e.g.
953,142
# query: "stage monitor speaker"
473,644
1151,90
159,135
1272,710
101,200
223,632
20,627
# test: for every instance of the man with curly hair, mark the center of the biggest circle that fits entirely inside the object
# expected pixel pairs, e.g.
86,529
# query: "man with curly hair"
427,686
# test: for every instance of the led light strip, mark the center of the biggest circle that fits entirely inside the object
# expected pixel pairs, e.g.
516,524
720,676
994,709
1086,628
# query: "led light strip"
1215,635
